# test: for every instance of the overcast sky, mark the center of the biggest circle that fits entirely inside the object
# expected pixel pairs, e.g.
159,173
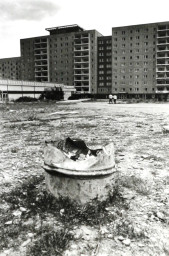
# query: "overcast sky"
29,18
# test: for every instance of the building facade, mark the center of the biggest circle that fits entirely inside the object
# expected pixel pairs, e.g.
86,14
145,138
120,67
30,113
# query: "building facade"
68,56
140,60
10,68
104,65
132,62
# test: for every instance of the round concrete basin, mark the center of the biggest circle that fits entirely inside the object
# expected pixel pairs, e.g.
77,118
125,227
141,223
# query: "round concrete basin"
82,180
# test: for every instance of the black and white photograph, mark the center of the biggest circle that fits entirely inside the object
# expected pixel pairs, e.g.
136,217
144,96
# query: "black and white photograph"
84,128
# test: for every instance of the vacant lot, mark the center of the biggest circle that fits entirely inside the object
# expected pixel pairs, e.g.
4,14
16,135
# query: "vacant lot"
134,221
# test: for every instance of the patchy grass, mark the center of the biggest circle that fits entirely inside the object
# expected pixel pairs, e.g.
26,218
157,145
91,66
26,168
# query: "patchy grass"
31,201
49,242
136,183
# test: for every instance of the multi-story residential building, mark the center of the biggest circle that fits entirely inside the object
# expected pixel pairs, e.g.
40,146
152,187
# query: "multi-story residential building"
104,65
10,68
132,62
68,56
140,60
34,59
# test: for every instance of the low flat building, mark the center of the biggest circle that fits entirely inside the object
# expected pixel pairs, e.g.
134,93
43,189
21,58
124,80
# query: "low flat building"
14,89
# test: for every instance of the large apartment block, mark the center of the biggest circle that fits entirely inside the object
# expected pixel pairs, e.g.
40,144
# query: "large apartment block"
67,56
140,60
132,62
10,68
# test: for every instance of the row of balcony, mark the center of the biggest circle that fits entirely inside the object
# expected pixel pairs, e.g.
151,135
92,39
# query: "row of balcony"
163,27
162,41
81,67
40,40
40,48
79,73
41,70
81,48
162,62
81,61
162,76
78,54
43,63
81,43
162,69
162,48
161,34
162,55
81,36
41,75
163,82
38,52
81,83
41,58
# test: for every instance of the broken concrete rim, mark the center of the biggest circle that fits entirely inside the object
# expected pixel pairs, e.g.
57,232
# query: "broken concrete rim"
56,161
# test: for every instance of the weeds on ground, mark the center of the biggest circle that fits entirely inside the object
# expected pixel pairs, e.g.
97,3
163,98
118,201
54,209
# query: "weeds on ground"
49,242
136,183
30,207
19,116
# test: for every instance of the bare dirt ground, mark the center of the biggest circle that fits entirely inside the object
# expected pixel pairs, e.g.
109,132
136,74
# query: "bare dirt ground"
137,225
